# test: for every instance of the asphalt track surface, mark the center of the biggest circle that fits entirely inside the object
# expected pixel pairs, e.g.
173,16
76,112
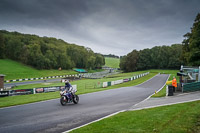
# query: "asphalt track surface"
50,116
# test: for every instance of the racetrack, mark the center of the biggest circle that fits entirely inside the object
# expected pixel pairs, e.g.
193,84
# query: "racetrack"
50,116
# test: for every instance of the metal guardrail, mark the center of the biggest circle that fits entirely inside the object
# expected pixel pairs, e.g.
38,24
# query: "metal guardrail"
32,91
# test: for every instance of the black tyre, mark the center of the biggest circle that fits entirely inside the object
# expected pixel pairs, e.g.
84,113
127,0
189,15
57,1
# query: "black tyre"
75,99
63,100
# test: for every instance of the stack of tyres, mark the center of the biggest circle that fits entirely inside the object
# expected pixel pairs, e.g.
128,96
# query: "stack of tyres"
170,90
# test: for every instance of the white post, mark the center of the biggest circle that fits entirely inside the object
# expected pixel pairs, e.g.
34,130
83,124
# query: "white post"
33,90
166,90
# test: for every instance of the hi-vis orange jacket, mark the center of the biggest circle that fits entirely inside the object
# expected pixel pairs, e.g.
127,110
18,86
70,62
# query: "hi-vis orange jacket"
174,83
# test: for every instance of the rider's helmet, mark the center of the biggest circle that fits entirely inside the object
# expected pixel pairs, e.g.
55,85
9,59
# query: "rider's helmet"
66,81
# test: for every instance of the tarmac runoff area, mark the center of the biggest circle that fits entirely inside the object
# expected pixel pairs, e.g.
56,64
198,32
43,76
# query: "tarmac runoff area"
155,102
168,100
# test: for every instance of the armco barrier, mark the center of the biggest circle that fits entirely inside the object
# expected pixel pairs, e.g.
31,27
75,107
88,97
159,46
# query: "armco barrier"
110,83
32,91
21,92
44,78
105,84
118,82
4,93
125,80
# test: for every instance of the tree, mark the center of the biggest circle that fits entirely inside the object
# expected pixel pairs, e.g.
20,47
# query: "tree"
99,60
175,56
2,47
91,62
131,61
191,45
144,61
122,63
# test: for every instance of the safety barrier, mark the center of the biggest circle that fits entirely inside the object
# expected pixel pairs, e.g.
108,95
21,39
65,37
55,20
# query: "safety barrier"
44,78
33,91
110,83
194,86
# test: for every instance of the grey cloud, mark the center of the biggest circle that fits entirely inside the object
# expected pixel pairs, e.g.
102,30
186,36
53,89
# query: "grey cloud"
106,26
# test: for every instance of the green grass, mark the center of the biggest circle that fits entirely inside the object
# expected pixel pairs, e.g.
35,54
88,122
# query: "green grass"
24,99
83,87
179,118
15,70
112,62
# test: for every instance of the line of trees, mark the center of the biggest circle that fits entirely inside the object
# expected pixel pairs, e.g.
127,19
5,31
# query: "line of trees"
166,57
47,53
159,57
111,55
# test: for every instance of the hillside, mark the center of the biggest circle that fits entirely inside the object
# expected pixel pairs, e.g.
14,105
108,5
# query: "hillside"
47,52
112,62
15,70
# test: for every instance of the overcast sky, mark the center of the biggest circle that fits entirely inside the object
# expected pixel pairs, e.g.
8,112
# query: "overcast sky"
106,26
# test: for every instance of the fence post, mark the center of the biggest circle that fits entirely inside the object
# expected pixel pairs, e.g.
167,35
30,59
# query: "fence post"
166,90
33,90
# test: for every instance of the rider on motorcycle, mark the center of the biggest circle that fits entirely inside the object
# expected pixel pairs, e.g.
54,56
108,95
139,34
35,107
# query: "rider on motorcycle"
69,88
67,85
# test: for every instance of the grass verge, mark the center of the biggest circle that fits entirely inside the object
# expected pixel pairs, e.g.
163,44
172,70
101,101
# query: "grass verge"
179,118
16,70
112,62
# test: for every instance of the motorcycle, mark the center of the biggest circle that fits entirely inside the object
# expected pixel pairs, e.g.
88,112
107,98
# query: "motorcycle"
67,97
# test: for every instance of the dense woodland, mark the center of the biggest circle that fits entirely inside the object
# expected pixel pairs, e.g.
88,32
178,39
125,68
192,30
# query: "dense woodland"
191,44
166,57
47,53
159,57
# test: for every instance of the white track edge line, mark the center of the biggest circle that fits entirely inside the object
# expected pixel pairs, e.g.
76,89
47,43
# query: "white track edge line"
94,121
151,94
165,104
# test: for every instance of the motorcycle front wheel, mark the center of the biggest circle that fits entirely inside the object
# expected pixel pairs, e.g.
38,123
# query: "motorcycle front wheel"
75,99
63,100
